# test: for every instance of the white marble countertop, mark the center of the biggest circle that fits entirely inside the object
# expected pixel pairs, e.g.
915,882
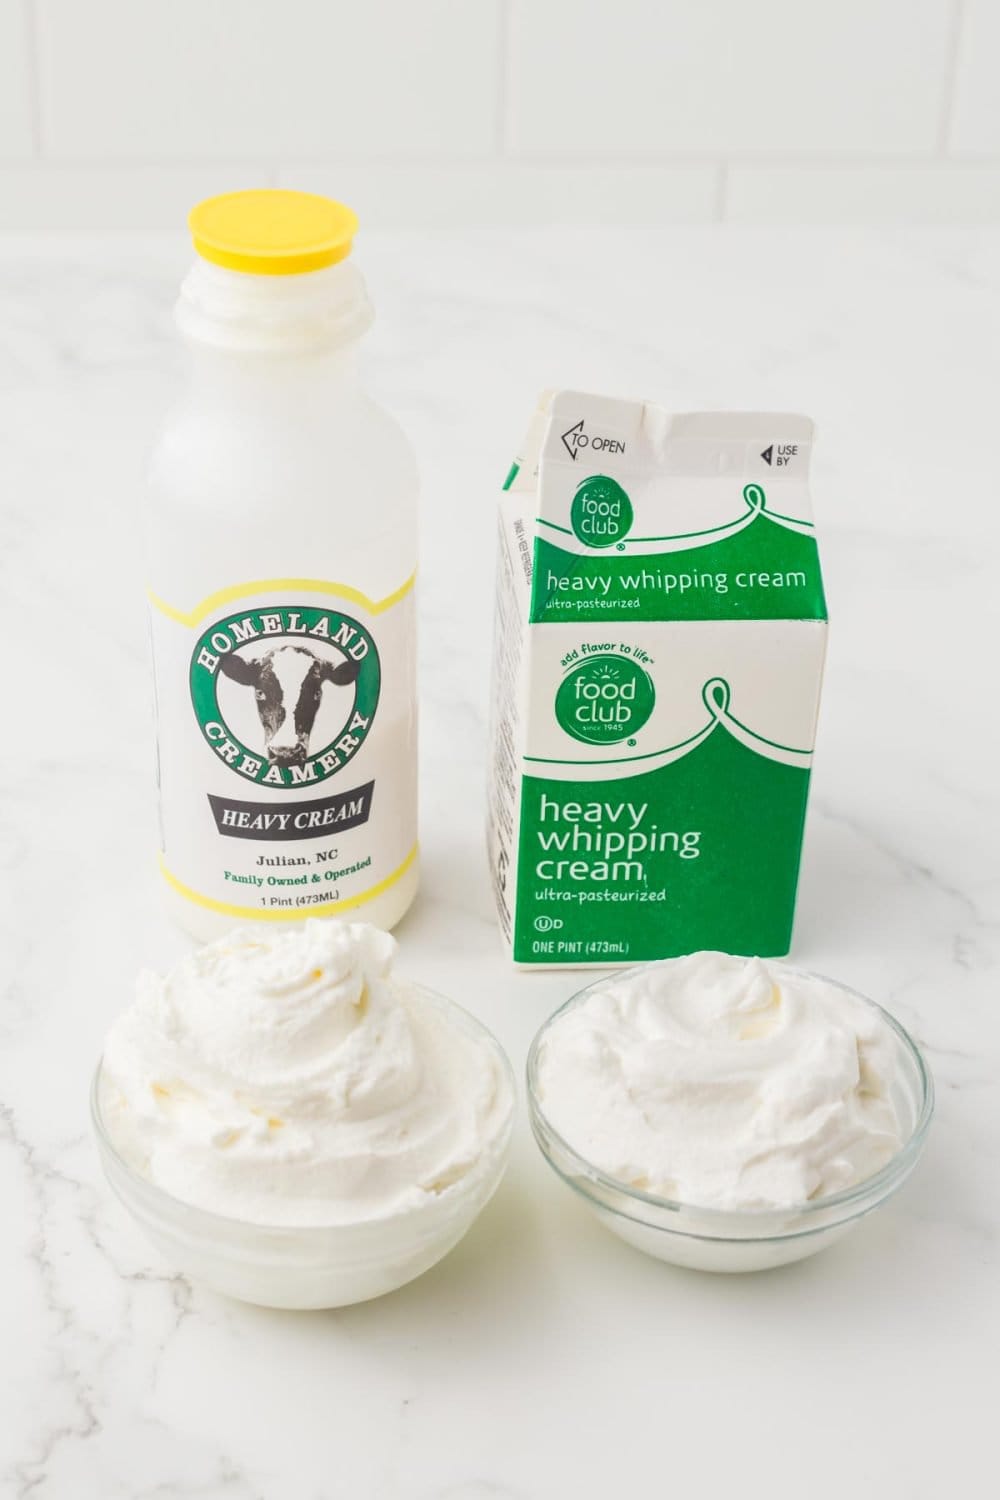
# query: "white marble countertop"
542,1359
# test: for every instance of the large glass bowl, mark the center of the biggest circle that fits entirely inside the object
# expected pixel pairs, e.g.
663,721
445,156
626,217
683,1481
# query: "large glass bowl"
708,1239
312,1266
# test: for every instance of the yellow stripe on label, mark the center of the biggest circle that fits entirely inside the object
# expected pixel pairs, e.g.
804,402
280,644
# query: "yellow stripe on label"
324,909
269,585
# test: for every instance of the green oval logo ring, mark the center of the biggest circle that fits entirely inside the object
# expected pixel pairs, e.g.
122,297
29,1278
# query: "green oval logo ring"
601,514
285,695
605,700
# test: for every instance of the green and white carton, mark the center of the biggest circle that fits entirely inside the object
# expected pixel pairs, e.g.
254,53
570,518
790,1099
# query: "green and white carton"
659,641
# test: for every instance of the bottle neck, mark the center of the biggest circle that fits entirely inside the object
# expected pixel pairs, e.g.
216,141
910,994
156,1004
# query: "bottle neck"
300,386
319,313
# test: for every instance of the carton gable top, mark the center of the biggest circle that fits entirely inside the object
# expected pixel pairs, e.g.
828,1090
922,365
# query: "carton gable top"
644,514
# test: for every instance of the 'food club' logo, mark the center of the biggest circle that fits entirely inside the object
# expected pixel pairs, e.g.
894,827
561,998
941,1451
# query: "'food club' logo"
605,700
284,696
601,513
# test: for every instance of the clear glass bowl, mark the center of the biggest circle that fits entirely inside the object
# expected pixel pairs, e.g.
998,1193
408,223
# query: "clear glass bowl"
707,1239
312,1266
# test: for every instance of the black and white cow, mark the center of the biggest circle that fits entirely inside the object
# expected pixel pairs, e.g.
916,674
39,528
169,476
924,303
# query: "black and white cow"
288,678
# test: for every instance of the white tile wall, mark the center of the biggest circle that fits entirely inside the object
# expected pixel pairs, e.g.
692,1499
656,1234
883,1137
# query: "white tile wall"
213,80
509,194
114,198
976,124
864,195
119,113
16,103
716,76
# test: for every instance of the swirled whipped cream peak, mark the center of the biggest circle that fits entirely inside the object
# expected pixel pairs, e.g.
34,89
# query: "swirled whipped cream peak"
290,1077
722,1082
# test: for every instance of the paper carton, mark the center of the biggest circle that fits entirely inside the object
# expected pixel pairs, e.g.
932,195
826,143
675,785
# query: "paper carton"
659,640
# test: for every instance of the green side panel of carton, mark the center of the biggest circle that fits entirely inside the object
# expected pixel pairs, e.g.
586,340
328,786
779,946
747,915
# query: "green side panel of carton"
700,853
764,572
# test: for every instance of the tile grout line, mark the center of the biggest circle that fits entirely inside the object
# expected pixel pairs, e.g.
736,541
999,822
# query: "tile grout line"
651,162
34,78
948,93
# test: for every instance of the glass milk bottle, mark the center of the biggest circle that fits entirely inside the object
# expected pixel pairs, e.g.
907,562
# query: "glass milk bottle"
282,552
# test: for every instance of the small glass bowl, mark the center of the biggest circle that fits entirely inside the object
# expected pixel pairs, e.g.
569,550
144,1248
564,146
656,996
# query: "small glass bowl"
312,1266
709,1239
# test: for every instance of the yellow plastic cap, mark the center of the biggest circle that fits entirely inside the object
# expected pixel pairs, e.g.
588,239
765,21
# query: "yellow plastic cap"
272,231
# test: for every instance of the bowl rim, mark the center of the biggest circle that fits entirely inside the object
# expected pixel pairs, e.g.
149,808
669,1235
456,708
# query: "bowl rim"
493,1155
876,1187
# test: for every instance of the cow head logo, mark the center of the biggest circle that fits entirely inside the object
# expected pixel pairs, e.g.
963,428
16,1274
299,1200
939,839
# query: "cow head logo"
287,684
285,696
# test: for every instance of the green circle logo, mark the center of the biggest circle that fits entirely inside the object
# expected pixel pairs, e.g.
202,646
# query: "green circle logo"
285,696
601,513
605,700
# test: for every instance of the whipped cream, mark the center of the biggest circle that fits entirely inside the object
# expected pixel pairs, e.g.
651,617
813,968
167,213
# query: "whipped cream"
724,1082
290,1078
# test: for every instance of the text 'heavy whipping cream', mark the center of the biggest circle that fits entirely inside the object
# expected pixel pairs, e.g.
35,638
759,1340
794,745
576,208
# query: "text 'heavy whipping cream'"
659,640
281,561
724,1083
288,1077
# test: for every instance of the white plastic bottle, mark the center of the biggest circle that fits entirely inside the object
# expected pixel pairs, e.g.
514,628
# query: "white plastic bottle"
282,552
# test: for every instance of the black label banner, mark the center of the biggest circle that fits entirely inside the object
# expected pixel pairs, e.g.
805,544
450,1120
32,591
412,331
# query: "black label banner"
298,820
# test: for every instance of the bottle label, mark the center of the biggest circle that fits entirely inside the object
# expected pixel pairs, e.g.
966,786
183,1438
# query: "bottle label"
286,739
